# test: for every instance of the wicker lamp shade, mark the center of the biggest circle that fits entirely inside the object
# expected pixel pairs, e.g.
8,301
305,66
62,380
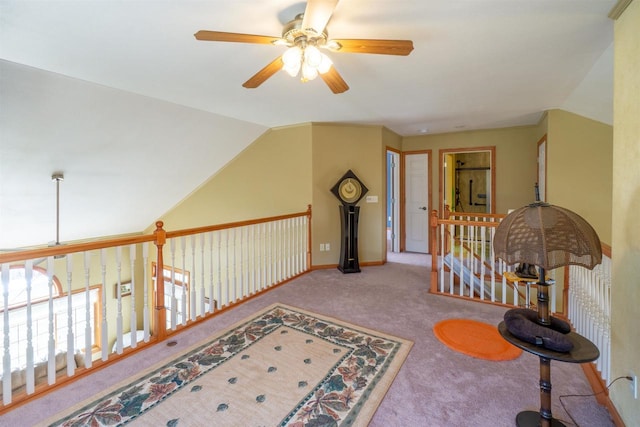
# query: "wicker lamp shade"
547,236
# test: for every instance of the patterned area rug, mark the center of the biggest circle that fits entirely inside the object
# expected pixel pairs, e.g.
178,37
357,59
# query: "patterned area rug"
475,339
283,366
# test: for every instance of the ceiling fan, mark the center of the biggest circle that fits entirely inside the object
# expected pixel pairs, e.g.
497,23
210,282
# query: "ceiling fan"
303,36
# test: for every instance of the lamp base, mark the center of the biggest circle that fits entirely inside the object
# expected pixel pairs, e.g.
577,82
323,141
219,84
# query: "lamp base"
532,419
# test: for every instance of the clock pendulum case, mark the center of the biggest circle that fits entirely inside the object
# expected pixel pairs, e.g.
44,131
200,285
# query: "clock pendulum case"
349,190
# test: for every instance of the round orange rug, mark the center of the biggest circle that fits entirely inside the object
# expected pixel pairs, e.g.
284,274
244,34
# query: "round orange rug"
476,339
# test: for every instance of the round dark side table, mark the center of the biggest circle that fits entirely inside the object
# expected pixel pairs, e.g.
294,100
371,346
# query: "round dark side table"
583,351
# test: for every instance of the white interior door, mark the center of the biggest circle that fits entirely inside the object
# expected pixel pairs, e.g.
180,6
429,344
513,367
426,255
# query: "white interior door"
416,202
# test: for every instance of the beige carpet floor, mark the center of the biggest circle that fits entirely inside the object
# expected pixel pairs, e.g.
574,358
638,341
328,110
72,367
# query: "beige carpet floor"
435,387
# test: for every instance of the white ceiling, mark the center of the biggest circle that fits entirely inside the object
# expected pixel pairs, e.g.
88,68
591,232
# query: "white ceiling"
106,91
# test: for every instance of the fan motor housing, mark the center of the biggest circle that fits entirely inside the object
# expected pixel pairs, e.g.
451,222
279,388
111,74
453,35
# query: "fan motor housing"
293,32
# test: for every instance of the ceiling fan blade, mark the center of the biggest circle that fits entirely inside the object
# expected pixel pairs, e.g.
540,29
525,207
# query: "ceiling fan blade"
317,14
220,36
261,76
334,80
383,47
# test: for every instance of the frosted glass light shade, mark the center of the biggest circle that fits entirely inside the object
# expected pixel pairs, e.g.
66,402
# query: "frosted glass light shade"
312,56
292,59
325,64
308,72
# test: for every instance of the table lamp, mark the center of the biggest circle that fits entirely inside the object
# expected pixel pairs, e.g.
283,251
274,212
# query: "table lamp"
548,237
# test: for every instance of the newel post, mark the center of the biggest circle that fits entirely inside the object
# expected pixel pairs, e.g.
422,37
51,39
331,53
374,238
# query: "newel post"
309,243
433,235
447,212
160,314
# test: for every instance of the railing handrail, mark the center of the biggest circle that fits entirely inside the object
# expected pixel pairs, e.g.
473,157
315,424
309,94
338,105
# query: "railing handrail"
69,248
448,213
208,228
468,223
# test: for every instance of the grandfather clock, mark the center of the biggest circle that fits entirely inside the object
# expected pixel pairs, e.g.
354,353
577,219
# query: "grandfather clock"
349,190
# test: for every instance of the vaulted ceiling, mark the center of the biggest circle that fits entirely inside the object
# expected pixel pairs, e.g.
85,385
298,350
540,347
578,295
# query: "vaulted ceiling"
108,92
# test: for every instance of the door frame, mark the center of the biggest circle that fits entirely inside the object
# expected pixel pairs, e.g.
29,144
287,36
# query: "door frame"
395,193
403,197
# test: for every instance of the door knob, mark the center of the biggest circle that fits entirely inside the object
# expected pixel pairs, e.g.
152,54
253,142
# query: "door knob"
424,208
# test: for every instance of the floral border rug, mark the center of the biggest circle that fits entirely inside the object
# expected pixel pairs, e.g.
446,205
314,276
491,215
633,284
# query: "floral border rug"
283,366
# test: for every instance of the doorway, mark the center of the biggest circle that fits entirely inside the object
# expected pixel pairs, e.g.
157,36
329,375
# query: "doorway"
393,197
467,180
416,171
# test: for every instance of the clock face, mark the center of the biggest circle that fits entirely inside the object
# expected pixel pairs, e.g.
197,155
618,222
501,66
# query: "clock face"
349,189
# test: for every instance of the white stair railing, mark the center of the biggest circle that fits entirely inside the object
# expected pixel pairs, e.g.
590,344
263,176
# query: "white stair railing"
77,305
466,264
590,309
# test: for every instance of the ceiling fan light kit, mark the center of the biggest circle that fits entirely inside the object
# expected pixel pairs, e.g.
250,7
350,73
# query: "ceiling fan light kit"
304,36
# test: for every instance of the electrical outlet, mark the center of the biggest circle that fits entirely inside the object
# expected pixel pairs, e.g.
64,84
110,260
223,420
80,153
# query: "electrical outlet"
321,247
327,246
634,385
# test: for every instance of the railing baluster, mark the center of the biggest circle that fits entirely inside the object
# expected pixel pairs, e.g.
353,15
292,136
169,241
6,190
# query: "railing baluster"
6,358
269,255
212,296
254,263
263,257
482,259
133,322
245,281
227,272
234,278
442,230
145,287
30,365
119,325
70,335
452,244
174,301
247,262
183,284
461,256
51,343
273,252
193,287
87,311
104,341
219,234
280,251
202,279
288,251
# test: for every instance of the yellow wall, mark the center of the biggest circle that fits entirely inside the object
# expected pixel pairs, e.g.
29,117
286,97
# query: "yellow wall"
579,168
515,169
288,168
336,149
625,286
270,177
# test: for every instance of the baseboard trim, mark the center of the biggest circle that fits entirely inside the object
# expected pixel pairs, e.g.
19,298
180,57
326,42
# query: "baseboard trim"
601,392
324,267
362,264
